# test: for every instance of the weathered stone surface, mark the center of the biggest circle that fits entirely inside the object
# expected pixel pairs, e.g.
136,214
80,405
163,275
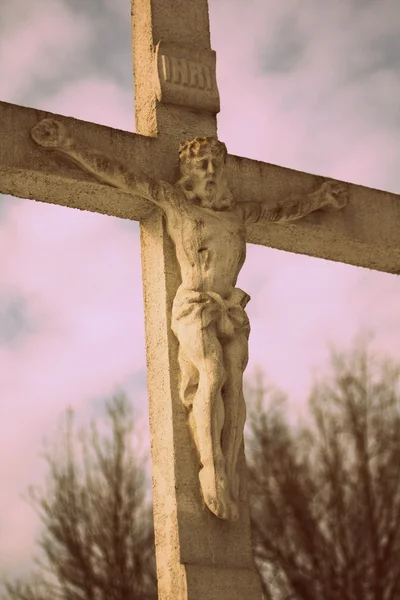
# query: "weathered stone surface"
185,75
175,22
366,235
29,172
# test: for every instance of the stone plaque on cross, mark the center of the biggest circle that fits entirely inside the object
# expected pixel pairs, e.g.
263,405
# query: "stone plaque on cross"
198,206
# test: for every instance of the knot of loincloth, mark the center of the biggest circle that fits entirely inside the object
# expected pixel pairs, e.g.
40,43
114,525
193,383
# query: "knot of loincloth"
209,307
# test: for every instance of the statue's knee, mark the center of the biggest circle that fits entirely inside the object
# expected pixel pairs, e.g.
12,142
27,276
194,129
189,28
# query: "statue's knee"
213,378
216,383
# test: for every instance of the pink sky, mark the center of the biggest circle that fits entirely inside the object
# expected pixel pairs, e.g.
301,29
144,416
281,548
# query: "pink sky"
309,87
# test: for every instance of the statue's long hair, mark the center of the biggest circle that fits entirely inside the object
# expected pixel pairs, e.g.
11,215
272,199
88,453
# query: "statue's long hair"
203,146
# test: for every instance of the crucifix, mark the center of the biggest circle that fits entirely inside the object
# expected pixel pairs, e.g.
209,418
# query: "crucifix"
198,206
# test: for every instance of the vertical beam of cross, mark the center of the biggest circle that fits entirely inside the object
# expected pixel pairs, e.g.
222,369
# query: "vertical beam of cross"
176,98
183,26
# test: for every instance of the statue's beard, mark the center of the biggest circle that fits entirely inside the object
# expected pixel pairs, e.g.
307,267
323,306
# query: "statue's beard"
216,197
209,197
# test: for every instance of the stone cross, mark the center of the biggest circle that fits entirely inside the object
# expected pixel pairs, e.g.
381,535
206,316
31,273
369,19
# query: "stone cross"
194,229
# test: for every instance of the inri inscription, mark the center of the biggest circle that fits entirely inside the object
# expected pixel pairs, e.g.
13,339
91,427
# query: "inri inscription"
186,72
186,76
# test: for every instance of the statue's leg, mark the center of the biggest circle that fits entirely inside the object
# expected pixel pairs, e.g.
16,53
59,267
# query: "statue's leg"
188,379
235,360
188,386
202,348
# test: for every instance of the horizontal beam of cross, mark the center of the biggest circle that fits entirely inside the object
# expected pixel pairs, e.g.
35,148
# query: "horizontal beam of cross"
364,234
28,171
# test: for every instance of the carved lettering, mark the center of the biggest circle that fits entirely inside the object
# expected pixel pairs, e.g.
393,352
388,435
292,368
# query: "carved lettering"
165,68
179,70
185,76
186,73
207,77
196,75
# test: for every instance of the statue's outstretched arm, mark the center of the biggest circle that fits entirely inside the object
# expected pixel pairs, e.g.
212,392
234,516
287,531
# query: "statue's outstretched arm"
297,206
50,133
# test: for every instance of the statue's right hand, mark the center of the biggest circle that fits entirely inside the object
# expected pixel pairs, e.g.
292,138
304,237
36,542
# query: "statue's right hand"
49,133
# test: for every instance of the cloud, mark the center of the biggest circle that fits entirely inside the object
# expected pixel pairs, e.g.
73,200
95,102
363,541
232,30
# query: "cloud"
37,41
95,99
15,319
328,103
285,50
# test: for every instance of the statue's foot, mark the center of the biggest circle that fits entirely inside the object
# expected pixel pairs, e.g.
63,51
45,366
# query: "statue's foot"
215,489
234,511
234,482
235,486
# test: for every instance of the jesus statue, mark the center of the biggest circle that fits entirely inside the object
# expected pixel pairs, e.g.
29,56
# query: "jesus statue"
207,227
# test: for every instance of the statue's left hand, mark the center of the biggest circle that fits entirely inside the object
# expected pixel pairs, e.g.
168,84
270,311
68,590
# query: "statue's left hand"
335,194
50,133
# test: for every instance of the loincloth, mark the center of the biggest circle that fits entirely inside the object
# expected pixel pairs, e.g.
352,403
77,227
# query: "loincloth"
228,314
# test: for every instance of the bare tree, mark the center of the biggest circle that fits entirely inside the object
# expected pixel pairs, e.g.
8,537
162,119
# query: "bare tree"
326,495
97,540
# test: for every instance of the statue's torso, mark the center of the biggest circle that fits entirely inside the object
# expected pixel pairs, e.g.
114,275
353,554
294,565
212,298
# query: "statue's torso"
210,246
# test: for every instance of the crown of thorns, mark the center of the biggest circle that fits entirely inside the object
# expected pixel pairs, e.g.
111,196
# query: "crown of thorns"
200,146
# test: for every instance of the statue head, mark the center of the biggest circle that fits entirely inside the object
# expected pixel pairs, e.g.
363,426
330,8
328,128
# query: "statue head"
202,166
